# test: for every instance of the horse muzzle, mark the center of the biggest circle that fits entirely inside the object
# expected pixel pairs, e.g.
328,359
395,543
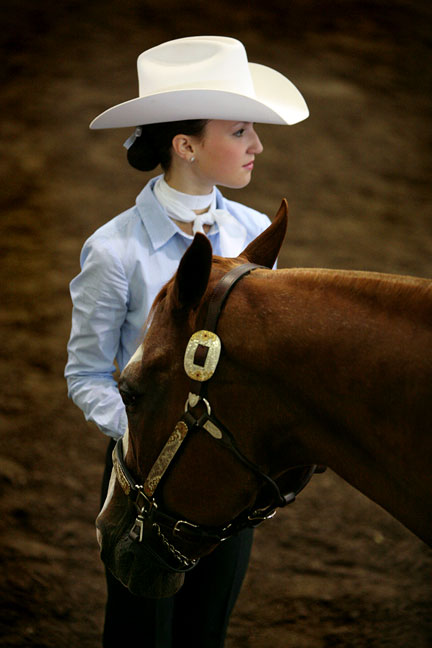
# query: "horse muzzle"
137,567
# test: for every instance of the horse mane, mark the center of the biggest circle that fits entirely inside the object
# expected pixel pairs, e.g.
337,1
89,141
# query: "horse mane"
412,292
373,281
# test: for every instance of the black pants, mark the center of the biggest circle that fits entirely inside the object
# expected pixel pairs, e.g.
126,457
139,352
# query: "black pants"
197,616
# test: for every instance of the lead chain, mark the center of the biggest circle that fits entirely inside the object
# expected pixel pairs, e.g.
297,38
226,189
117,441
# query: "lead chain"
187,562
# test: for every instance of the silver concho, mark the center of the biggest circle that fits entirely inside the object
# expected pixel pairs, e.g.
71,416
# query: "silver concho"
213,343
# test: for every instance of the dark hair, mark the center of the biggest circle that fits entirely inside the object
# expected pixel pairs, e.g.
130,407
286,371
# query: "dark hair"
153,146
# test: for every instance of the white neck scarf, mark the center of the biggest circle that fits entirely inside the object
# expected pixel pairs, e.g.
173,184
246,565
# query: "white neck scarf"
181,206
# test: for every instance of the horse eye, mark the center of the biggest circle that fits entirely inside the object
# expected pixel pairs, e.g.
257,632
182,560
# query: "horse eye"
128,397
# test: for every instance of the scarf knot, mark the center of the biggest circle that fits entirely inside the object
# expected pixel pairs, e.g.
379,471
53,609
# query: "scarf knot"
180,207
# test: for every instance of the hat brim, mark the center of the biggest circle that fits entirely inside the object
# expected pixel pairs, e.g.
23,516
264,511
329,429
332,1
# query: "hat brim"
277,101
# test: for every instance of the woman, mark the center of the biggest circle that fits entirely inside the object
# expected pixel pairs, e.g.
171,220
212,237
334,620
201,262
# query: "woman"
198,101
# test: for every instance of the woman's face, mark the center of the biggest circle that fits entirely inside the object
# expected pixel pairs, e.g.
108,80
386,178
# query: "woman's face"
224,154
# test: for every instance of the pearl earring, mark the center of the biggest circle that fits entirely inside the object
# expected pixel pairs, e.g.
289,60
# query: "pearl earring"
192,159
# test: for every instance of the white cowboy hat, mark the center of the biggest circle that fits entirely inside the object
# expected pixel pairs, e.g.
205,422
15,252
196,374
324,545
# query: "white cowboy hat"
205,77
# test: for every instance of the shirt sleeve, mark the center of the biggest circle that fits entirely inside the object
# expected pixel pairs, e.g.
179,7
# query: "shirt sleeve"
100,300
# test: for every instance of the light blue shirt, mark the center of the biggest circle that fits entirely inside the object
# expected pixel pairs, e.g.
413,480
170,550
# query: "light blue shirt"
124,264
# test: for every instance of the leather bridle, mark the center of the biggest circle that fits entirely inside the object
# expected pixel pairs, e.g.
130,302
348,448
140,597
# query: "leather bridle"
160,530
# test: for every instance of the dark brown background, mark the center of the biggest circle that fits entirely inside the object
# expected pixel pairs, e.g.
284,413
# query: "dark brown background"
334,569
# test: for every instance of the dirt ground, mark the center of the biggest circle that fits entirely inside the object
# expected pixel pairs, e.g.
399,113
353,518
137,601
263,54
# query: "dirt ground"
334,569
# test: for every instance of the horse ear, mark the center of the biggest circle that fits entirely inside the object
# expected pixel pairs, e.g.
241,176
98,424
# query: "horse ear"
193,273
265,248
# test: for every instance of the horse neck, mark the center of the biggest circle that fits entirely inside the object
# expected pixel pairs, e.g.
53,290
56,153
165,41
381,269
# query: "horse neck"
353,351
315,311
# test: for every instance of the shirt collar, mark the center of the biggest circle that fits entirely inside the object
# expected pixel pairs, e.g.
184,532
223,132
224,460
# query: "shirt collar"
158,224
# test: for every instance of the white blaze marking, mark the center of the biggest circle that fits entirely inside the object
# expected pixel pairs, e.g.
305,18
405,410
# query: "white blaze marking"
125,443
137,356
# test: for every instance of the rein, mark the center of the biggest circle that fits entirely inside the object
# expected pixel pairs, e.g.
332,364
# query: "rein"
159,528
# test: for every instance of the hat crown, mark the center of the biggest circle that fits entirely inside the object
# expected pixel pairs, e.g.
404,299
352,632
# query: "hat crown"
213,62
205,77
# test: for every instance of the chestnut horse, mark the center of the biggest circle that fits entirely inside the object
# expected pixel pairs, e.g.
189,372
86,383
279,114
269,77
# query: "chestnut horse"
318,367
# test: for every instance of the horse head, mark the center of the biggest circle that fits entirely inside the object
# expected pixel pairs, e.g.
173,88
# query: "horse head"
208,484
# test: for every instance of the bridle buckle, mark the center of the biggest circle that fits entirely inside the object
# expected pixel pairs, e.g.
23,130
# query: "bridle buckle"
137,532
147,504
257,517
183,523
145,510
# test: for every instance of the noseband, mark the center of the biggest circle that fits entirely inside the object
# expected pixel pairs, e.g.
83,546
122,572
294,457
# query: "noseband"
160,530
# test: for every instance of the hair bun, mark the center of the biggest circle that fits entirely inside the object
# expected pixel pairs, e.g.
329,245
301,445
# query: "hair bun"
154,145
143,154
